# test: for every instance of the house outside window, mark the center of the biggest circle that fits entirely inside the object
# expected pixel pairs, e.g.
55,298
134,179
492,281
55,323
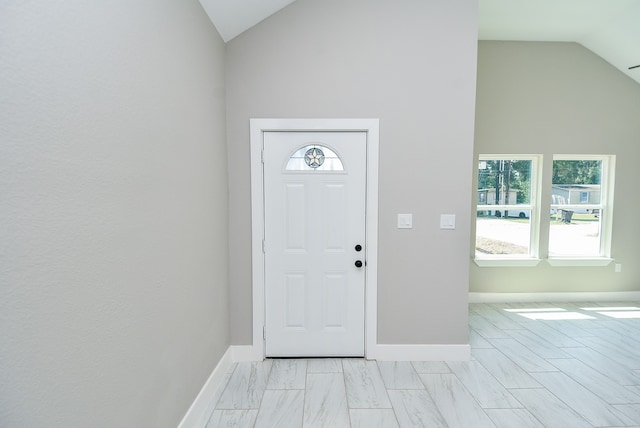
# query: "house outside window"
509,210
581,207
584,197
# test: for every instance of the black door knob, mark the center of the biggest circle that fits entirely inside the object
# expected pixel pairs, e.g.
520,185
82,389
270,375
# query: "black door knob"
358,247
358,264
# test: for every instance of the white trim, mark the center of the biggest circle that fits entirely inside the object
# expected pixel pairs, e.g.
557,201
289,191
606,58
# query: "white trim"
505,262
421,353
204,404
587,296
598,261
257,128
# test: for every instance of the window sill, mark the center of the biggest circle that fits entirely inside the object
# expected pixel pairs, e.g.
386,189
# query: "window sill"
507,262
599,261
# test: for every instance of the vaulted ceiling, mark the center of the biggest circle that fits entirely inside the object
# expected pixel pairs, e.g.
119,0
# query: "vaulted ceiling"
609,28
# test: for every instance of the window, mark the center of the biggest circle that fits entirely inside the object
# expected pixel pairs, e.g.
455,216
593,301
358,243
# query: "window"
510,215
314,158
580,207
584,197
507,207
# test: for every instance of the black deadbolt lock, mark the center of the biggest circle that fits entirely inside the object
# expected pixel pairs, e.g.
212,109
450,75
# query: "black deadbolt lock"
358,247
358,264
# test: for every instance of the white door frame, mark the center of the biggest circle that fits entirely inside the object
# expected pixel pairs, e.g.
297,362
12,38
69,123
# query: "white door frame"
257,128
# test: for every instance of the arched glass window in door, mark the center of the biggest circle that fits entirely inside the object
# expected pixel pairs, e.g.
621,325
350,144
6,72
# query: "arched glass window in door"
314,157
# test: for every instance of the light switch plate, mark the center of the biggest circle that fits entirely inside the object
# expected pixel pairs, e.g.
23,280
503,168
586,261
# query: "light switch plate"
447,221
405,221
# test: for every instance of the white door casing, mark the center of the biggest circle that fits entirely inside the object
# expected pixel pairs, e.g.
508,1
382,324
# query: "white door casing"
256,351
314,247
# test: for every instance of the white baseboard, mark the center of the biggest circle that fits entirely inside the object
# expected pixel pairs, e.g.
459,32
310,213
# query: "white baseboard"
202,407
420,353
588,296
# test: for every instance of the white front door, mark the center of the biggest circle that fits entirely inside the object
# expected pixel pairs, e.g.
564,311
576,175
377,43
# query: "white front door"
314,200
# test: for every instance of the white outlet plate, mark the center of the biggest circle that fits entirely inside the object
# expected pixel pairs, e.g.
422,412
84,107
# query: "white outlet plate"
447,221
405,221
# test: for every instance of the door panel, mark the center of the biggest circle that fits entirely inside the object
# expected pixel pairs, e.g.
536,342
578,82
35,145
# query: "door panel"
295,215
295,301
334,301
314,218
335,211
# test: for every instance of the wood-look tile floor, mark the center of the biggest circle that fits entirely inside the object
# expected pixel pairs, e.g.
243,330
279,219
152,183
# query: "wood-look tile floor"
564,365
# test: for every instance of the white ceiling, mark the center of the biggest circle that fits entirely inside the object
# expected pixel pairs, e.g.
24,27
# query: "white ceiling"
232,17
609,28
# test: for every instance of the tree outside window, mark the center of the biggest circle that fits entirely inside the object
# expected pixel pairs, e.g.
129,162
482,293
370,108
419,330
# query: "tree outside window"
504,210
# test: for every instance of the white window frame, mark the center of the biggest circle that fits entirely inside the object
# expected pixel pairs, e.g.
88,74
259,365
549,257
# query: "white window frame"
607,183
512,260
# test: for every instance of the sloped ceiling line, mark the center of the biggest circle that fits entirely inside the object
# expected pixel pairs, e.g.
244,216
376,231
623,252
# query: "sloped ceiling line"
609,28
234,17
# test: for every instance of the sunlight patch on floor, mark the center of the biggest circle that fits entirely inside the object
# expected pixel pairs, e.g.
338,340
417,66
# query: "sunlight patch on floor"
554,316
622,314
553,313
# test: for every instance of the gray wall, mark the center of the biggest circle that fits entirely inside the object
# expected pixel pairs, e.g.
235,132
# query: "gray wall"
555,98
410,63
113,211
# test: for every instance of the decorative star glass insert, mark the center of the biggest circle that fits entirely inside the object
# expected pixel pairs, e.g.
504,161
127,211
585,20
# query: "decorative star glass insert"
314,157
